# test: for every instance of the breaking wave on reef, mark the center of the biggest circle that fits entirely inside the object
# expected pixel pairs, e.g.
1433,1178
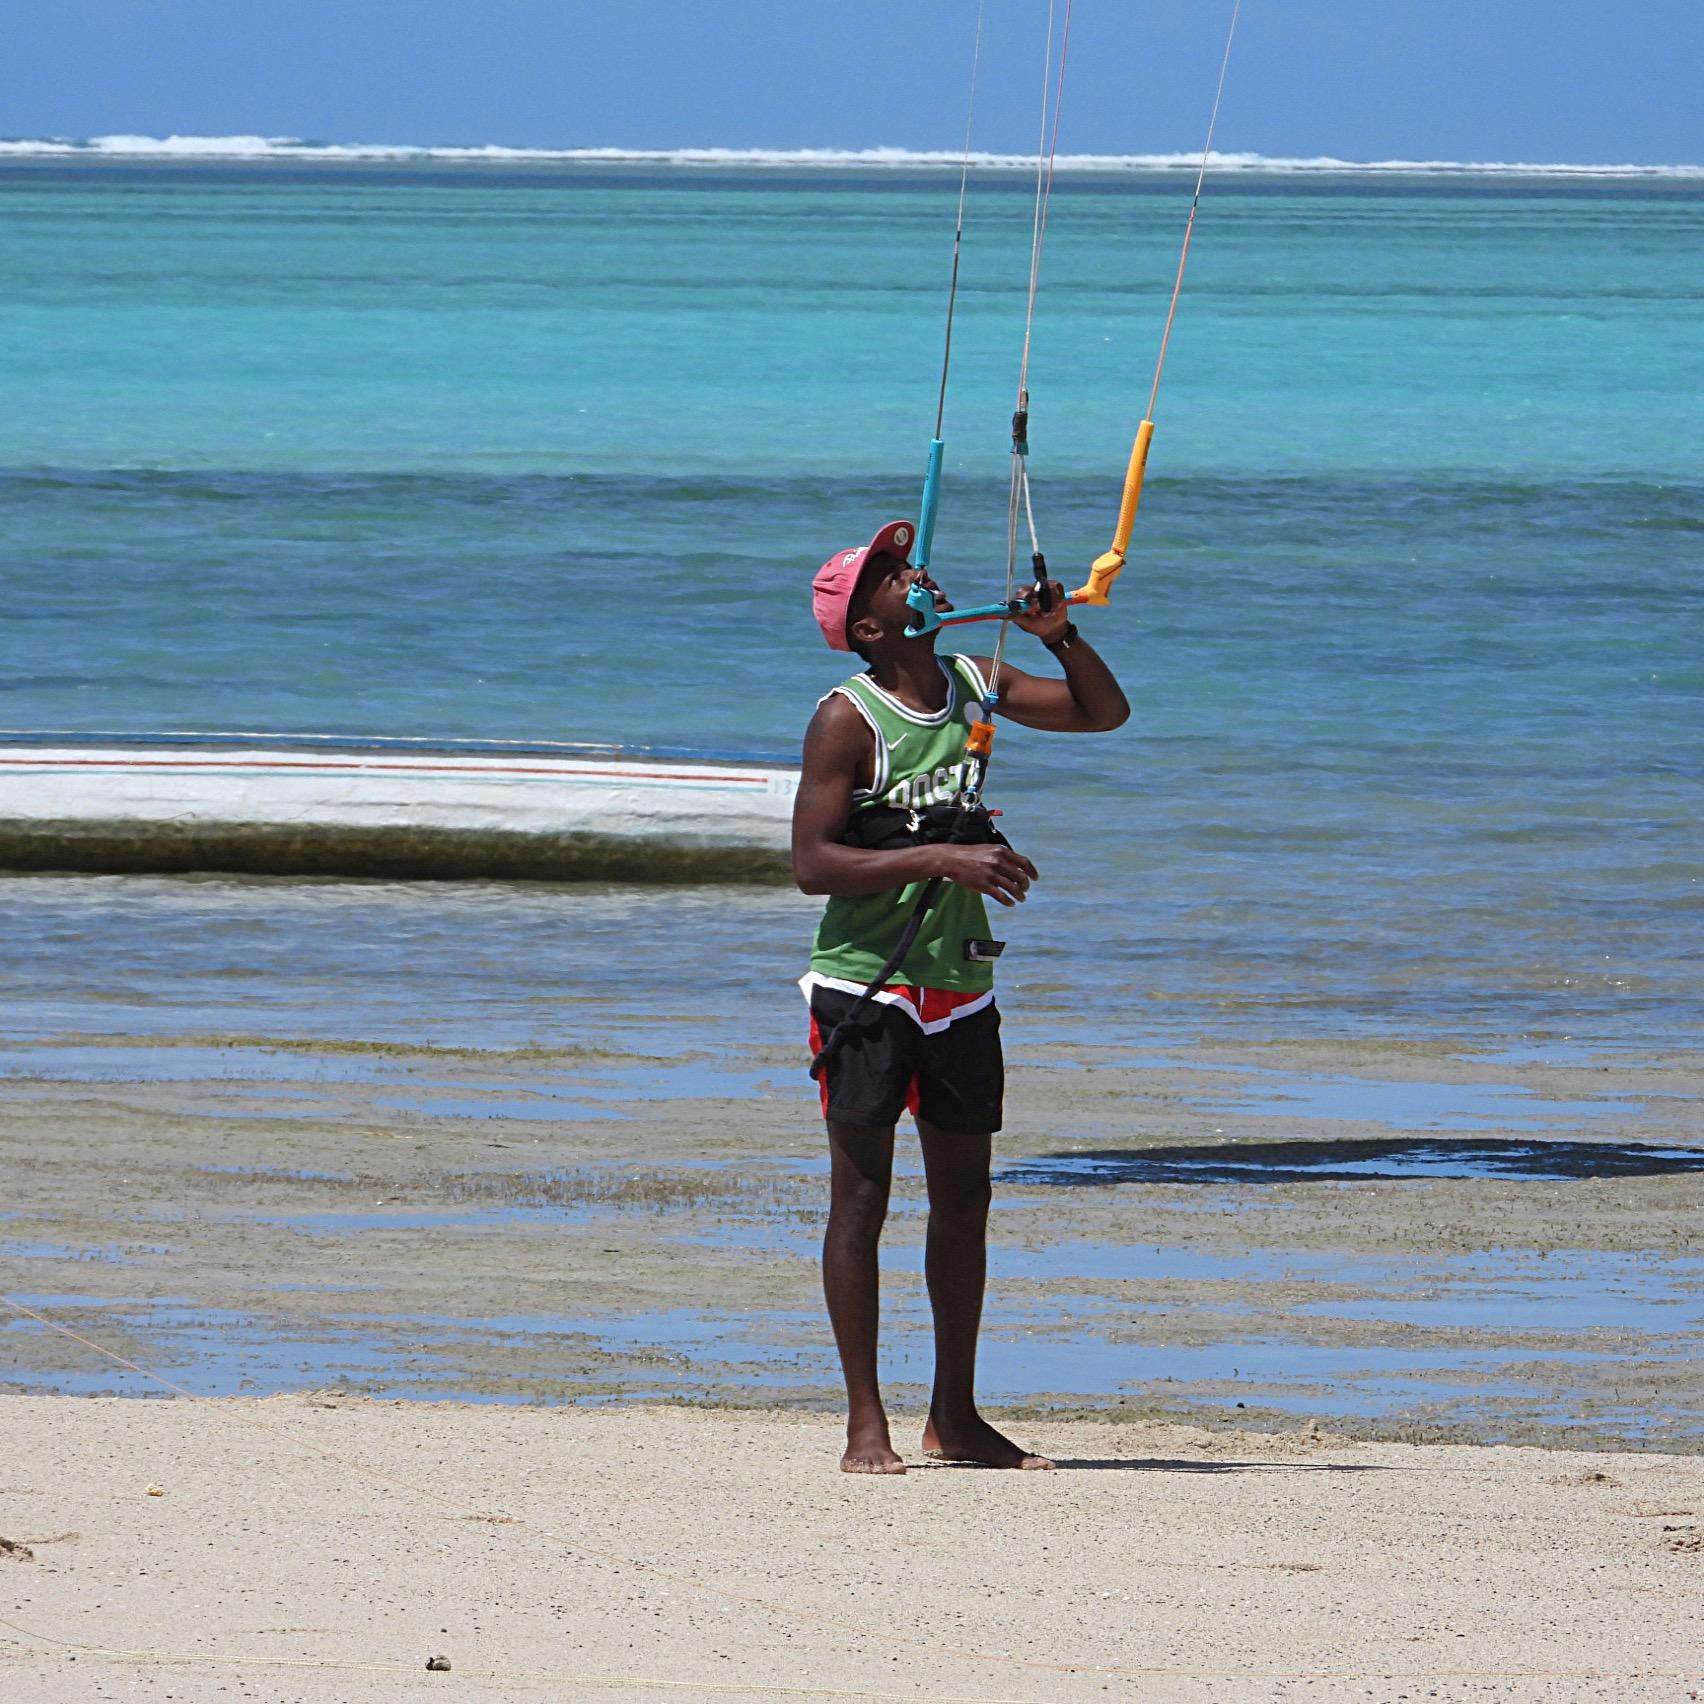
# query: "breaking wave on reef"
229,148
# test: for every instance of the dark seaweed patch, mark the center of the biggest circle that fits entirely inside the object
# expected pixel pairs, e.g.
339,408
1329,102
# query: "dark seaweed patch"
1397,1158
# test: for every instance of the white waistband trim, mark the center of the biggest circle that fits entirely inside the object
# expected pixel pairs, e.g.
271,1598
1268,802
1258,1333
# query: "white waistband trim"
815,979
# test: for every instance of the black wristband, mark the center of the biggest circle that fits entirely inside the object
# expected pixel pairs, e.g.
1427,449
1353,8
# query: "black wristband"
1065,639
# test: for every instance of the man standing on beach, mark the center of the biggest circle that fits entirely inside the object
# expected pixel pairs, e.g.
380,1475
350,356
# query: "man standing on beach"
930,1039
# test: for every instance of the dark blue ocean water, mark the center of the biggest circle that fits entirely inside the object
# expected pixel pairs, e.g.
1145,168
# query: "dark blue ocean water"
1413,628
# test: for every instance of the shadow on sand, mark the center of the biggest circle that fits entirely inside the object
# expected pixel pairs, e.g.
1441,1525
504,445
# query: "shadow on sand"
1158,1464
1398,1158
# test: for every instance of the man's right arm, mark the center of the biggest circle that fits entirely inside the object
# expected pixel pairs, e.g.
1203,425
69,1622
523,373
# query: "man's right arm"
836,744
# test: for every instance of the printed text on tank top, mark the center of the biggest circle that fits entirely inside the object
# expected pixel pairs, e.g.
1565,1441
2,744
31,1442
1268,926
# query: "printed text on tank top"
929,786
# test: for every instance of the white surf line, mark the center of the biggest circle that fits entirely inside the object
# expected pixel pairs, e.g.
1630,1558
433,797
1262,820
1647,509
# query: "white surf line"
240,148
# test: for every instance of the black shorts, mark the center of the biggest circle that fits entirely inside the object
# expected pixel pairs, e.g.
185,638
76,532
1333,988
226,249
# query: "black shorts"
954,1079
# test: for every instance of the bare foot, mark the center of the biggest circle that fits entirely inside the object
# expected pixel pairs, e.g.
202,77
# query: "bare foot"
976,1441
869,1451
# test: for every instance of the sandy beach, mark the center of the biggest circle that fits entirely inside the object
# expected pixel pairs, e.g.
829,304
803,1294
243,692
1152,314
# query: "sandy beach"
177,1551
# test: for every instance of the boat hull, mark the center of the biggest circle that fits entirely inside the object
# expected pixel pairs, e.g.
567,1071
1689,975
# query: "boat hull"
411,813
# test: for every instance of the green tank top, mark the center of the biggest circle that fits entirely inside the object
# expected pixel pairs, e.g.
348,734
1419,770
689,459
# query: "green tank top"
919,760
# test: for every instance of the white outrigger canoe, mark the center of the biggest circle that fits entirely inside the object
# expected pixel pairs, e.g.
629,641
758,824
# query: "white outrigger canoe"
407,809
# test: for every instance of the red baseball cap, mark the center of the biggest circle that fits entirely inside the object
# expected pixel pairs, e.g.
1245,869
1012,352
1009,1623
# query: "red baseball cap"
837,579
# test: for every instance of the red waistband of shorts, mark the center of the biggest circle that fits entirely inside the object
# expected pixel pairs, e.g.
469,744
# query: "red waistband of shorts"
933,1008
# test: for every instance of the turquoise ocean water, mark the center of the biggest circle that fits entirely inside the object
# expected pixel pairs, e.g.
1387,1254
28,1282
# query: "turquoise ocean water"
1413,628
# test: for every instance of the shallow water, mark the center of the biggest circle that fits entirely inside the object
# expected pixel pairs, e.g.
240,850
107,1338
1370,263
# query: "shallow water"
1406,1105
1489,1339
488,1085
1026,1354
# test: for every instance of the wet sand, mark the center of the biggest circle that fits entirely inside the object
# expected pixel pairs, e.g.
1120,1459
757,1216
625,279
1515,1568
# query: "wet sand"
175,1551
1403,1241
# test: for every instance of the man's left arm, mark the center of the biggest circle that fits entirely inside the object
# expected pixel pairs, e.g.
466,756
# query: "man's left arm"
1087,701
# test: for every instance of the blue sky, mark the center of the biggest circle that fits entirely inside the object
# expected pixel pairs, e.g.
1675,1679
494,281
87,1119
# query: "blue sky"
1537,80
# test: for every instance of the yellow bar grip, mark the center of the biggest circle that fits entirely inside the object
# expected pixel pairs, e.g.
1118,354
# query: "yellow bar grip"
1098,588
1132,487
